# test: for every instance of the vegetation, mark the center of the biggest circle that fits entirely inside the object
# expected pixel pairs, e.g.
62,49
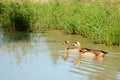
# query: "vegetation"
17,16
99,22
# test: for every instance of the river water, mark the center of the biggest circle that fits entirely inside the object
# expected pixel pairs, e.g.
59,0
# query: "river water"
39,56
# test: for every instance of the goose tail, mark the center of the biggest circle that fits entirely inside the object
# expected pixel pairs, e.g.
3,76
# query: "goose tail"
104,52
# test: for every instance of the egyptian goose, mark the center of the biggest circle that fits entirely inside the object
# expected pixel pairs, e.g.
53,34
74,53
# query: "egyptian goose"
69,50
97,53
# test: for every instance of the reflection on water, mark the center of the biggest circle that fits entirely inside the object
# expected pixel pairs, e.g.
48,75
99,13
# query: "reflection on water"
38,56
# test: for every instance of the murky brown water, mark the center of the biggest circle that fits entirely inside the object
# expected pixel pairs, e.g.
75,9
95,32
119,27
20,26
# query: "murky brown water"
38,56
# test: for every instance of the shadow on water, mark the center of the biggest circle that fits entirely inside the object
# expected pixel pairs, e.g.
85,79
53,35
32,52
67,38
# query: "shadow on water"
11,45
40,54
9,37
17,45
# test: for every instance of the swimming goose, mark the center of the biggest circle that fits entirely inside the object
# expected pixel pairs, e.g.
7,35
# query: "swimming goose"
69,50
97,53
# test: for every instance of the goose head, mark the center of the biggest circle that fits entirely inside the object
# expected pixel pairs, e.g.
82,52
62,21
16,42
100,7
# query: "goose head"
77,44
66,42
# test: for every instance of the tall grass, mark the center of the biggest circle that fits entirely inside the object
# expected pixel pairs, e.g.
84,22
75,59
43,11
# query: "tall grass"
99,22
17,16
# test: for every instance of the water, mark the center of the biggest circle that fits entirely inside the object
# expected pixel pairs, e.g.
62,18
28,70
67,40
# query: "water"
39,56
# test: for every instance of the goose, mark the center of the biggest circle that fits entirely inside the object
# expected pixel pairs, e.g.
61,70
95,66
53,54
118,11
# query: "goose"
86,51
69,50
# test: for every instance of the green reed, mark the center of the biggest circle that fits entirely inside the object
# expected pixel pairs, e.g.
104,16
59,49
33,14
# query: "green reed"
17,16
99,22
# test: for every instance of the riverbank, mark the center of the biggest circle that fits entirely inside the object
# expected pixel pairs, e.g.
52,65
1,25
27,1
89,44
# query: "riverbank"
99,22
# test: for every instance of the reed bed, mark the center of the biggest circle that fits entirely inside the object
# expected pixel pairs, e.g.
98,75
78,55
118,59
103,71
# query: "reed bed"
99,22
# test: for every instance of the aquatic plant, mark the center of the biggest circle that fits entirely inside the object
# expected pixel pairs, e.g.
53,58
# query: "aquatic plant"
17,16
99,22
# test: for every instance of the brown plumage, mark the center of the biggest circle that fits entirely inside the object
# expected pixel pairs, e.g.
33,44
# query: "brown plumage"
98,53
